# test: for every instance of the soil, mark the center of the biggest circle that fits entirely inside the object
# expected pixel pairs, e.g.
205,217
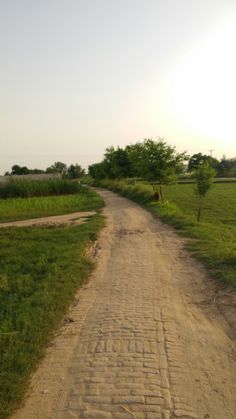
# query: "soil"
150,336
73,218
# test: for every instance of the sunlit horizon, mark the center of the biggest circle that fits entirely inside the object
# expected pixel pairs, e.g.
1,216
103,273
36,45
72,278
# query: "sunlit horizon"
77,79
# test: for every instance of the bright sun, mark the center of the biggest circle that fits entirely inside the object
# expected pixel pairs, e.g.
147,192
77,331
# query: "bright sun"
203,88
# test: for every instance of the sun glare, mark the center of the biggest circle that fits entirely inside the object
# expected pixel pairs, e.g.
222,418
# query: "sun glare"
203,88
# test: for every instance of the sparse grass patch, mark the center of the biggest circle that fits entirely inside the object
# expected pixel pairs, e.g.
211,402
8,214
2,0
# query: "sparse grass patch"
215,235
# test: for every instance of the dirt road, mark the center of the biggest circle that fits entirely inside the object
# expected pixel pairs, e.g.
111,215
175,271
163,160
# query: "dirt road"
144,339
73,218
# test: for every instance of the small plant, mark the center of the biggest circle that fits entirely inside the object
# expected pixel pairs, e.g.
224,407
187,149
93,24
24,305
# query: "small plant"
204,176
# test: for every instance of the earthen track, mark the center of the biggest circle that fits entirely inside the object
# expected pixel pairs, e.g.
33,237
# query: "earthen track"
139,341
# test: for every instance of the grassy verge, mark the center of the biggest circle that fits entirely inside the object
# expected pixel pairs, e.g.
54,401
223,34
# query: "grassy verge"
25,208
215,243
41,268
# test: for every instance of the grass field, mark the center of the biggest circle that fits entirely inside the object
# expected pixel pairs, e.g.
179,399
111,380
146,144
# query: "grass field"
24,208
220,204
40,271
215,235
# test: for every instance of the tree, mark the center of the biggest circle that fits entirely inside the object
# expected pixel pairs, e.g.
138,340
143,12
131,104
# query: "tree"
226,167
199,158
154,161
18,170
36,171
23,170
116,163
97,170
57,167
204,180
159,162
75,171
135,156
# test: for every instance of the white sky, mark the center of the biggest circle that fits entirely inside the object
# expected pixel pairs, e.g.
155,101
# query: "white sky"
77,76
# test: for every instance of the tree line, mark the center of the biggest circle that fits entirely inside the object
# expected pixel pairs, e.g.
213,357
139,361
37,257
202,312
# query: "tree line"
155,161
223,168
148,159
73,171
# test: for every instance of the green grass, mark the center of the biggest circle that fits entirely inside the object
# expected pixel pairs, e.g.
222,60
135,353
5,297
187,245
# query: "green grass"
215,235
25,188
25,208
40,271
190,179
220,204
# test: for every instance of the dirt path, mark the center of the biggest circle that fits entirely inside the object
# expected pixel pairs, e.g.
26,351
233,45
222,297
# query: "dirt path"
73,218
141,341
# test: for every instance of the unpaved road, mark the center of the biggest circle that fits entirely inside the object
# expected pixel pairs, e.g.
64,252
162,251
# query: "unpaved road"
73,218
145,337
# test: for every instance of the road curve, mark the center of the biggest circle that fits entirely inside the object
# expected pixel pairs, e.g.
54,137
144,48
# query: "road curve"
139,341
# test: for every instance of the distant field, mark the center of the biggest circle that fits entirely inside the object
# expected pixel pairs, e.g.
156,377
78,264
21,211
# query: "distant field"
215,235
23,208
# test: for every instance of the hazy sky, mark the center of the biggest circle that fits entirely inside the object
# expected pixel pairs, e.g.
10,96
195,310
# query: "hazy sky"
77,76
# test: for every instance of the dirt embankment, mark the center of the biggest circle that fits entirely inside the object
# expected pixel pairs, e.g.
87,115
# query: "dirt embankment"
146,338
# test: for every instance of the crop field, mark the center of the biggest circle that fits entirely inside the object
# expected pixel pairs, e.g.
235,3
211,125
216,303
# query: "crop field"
27,188
40,271
215,234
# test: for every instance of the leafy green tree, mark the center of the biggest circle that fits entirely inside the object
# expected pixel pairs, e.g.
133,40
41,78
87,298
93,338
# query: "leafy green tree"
75,171
154,161
36,171
199,158
135,157
159,163
204,180
19,170
97,171
116,163
57,167
227,167
23,170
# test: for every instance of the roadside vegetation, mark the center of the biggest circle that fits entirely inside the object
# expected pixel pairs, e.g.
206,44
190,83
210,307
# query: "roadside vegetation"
185,195
40,271
215,243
